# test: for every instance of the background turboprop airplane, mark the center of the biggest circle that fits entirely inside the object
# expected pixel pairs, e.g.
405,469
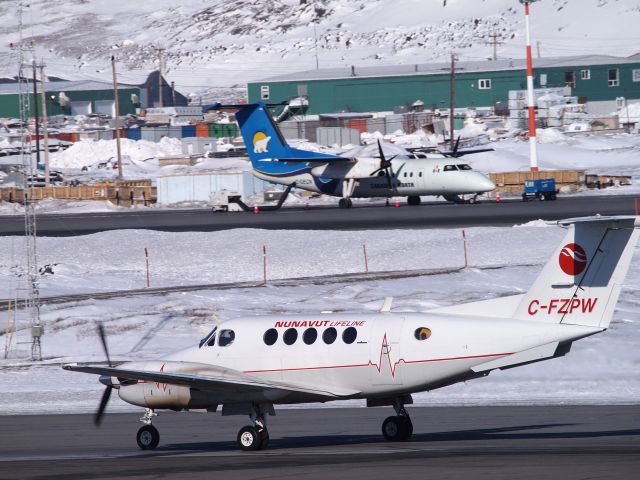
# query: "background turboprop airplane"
358,174
248,365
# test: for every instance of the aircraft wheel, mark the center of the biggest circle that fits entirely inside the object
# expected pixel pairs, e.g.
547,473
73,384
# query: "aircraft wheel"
148,437
249,439
408,428
473,200
264,439
345,203
413,200
394,429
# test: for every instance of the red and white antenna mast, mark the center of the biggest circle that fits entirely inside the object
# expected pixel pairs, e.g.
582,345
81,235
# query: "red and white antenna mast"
533,147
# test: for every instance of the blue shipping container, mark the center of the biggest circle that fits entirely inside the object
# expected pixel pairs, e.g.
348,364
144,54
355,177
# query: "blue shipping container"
188,131
133,134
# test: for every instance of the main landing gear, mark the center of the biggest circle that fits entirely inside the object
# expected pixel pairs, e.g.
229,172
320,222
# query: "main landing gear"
148,436
254,437
398,428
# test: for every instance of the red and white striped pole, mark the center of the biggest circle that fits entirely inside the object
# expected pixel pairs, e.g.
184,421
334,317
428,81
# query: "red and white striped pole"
533,148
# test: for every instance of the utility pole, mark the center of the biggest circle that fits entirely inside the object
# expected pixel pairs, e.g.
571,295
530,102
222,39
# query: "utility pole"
160,100
117,119
494,41
315,37
43,80
452,104
173,93
533,147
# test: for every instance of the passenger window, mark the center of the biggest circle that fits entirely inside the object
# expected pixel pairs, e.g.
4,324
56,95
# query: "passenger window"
420,174
226,338
270,336
405,174
349,335
422,333
463,166
290,336
309,336
329,335
411,174
450,168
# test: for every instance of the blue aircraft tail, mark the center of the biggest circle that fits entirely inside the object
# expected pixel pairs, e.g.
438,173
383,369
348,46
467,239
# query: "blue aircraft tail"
265,143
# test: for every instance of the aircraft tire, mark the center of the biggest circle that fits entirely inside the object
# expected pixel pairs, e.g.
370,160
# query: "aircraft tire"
148,437
413,200
249,439
408,428
395,429
264,440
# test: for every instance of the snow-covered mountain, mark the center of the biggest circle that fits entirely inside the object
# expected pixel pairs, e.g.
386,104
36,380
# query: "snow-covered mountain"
221,43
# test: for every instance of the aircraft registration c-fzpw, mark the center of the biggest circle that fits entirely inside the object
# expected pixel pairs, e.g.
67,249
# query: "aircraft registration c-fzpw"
248,365
356,174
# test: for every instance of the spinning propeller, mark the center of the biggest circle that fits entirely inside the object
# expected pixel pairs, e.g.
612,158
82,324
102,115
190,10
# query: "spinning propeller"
385,165
104,379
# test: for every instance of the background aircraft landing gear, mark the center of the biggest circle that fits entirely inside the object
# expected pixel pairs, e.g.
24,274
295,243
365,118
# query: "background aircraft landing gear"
398,428
345,203
413,200
148,437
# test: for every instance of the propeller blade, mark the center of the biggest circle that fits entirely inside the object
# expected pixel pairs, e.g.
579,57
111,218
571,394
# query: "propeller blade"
97,419
103,339
383,160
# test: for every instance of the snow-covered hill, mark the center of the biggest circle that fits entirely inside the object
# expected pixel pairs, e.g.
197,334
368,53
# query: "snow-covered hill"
220,43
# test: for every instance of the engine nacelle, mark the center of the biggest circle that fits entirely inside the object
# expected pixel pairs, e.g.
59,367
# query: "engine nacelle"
358,168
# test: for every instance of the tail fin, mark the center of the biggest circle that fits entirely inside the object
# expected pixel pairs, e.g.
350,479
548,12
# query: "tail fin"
265,142
581,282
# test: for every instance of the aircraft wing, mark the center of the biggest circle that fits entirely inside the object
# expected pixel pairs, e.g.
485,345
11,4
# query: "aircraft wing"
209,378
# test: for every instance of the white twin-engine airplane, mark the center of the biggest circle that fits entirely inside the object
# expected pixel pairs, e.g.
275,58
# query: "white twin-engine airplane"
248,365
357,174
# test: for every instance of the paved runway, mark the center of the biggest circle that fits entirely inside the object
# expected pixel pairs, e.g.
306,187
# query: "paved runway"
569,442
431,215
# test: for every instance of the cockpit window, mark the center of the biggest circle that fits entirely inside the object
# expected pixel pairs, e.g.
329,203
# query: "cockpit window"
463,166
226,338
209,339
450,168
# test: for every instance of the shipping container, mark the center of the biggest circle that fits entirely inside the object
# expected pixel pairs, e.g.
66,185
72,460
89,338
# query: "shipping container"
134,134
188,131
202,130
358,124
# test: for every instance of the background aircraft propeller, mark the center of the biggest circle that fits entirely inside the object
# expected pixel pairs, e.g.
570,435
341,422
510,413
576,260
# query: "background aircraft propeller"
385,166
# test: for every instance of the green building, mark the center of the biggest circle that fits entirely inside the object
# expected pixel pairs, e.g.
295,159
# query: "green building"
596,79
72,98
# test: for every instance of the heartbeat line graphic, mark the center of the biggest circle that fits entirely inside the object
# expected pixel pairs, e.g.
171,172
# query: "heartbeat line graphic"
385,348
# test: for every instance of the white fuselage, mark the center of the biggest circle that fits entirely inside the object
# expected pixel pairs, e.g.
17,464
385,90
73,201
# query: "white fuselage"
384,360
411,177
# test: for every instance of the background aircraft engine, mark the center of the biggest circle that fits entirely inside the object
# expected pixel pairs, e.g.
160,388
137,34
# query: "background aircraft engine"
359,168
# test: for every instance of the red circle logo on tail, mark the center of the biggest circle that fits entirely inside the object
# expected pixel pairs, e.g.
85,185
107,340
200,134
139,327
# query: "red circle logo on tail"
573,259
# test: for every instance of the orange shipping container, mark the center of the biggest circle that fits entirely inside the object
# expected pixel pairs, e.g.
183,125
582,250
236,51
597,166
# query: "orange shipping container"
359,124
202,130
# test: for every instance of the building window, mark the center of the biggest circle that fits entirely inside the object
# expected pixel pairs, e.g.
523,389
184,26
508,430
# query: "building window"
570,79
585,74
635,75
543,79
484,84
264,92
614,77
